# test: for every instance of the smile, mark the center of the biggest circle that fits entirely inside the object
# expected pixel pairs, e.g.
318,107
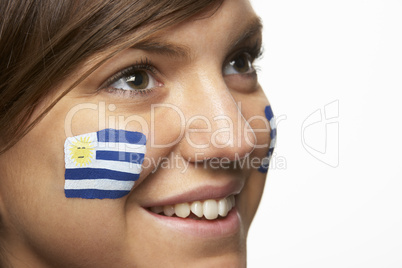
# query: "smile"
205,212
198,210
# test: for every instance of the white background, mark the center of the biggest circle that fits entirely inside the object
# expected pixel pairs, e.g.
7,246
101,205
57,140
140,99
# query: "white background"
312,214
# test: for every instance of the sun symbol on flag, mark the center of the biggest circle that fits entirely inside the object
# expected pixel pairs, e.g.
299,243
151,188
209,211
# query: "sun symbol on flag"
81,151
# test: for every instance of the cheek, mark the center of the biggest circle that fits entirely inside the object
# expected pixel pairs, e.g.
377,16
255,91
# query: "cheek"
166,126
32,193
78,229
103,164
253,110
256,107
272,139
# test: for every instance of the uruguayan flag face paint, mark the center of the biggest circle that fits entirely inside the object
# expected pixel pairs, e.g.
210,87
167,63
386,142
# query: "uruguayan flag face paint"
265,162
103,164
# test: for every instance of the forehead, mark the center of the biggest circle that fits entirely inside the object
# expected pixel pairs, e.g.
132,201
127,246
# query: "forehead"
229,14
218,28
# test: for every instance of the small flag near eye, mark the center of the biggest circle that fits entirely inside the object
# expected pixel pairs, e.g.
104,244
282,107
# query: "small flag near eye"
265,161
103,164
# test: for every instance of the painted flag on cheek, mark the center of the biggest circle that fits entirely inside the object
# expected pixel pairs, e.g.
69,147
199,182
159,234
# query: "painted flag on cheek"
265,162
103,164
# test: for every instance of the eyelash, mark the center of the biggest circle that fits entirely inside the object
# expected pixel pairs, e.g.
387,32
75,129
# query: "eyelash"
255,51
142,65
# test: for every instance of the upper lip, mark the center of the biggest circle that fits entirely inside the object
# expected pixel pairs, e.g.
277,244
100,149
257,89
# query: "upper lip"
203,192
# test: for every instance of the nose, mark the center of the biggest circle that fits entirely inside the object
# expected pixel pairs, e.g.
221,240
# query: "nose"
215,126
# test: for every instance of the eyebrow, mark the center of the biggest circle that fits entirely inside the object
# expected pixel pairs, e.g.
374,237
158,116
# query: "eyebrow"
253,28
155,45
164,48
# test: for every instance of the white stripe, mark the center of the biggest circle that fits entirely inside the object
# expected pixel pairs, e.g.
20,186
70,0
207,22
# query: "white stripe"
265,161
273,142
106,164
106,146
98,184
272,123
92,137
121,147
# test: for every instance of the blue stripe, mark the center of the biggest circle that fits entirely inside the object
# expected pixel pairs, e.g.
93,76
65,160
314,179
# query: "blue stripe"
120,135
99,173
270,152
268,112
135,158
273,133
93,193
264,168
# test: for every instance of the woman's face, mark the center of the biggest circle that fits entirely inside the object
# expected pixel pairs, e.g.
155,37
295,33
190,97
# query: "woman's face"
201,110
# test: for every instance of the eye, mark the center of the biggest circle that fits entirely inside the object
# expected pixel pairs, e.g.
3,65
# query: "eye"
140,78
134,80
240,64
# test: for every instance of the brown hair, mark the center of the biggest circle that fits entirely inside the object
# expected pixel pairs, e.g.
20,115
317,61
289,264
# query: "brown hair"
42,42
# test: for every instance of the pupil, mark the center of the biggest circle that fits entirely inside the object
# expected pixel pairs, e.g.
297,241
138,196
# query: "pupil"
240,63
138,80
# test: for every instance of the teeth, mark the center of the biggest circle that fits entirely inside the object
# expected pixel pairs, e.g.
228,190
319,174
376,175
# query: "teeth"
168,210
210,209
182,210
232,199
157,209
231,202
196,208
223,207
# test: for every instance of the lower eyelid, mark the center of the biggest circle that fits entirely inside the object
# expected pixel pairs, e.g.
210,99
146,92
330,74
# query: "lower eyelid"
154,83
251,71
126,94
243,83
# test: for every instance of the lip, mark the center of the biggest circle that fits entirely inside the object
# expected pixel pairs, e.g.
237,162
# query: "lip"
205,192
207,229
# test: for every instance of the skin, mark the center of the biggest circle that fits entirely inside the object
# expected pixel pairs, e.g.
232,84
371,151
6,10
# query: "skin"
43,228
